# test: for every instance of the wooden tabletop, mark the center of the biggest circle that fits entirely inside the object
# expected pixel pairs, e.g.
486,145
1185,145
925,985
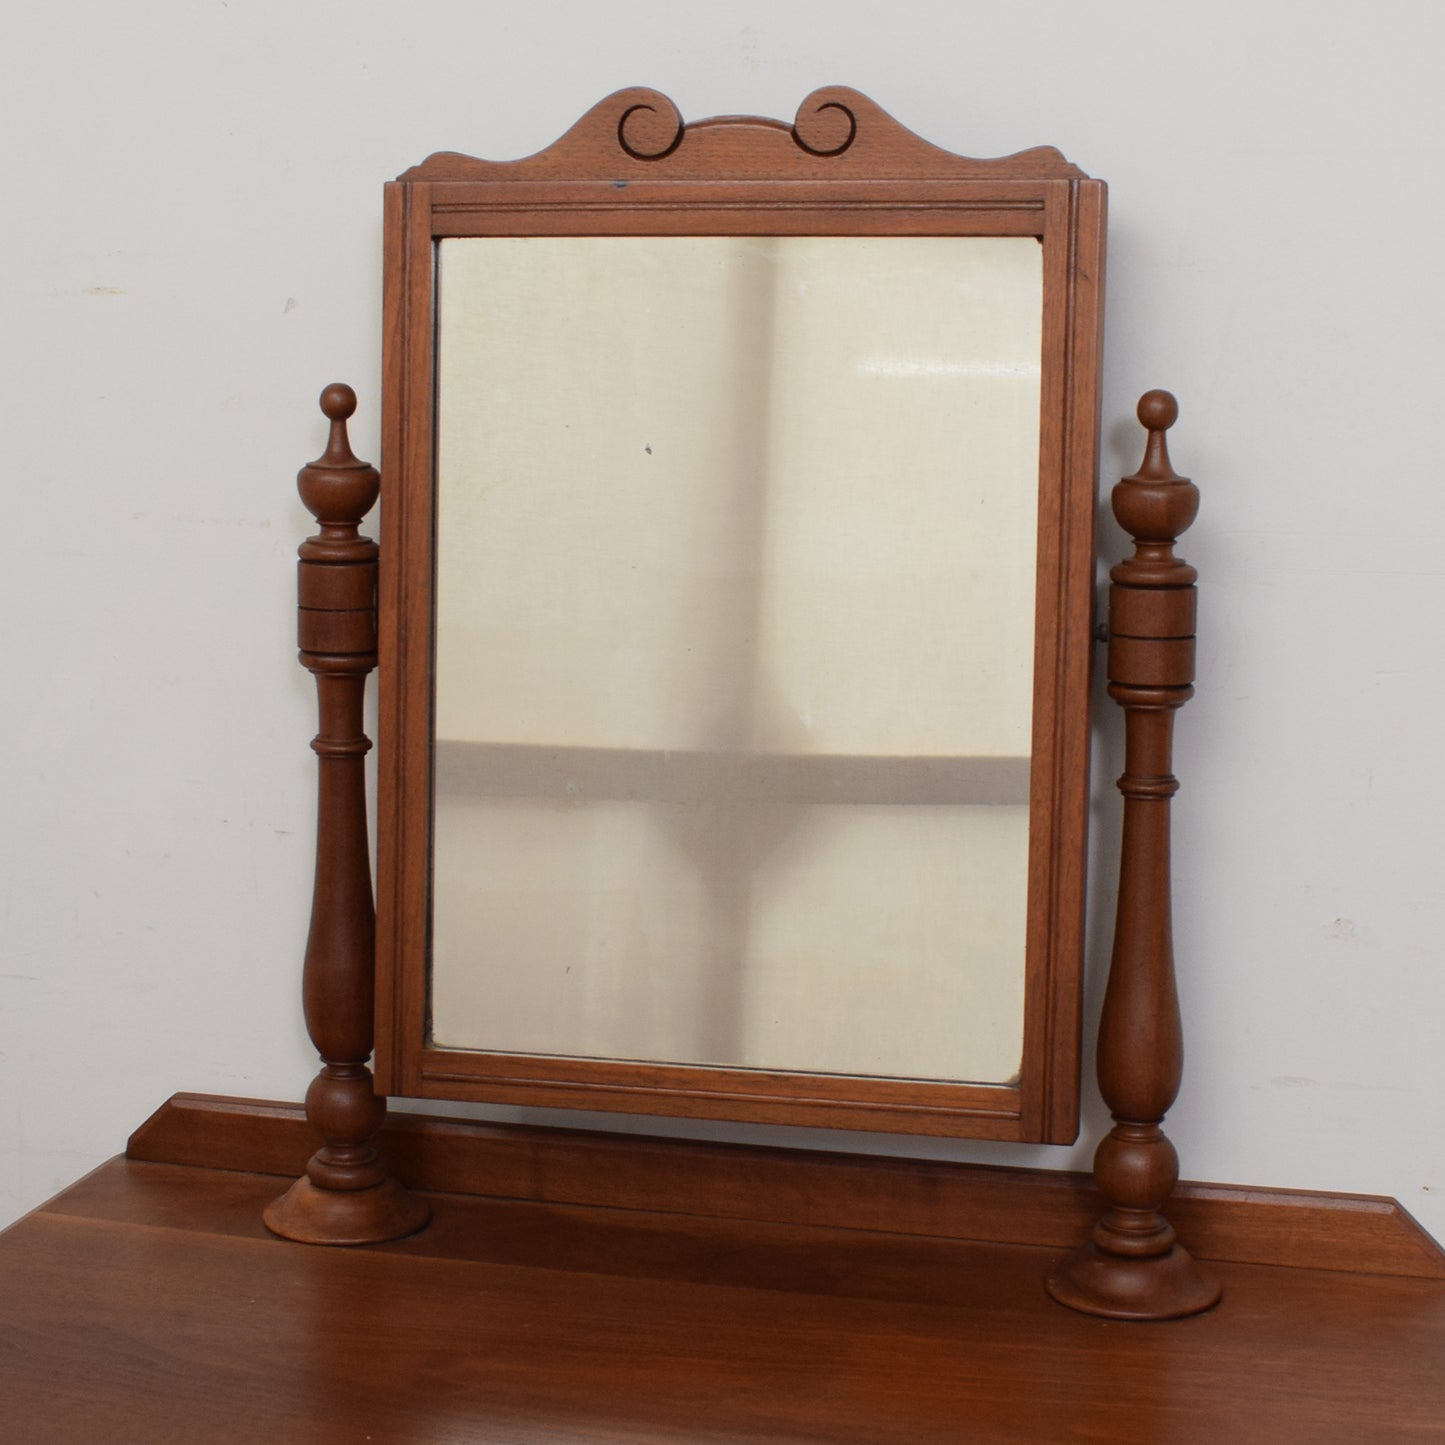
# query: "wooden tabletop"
148,1304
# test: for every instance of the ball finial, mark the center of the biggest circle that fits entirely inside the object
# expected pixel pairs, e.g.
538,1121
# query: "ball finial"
338,489
338,401
1158,411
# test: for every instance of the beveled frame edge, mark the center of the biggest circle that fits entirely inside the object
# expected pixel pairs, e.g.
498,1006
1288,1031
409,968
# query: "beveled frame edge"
1060,1013
898,188
757,1096
402,774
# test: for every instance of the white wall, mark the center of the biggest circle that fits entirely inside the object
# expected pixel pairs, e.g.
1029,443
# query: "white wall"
191,250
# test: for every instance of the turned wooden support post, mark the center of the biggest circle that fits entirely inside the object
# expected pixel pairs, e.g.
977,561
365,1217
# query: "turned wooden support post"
346,1195
1132,1267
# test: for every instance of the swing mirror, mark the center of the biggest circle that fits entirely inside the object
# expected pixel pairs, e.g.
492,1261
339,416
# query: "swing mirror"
738,491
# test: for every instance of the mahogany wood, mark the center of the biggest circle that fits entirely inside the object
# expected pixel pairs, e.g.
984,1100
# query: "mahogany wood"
843,167
1036,1207
1132,1266
345,1195
147,1304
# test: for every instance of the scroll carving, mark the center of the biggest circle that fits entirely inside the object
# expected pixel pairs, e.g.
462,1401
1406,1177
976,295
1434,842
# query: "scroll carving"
655,134
837,132
810,128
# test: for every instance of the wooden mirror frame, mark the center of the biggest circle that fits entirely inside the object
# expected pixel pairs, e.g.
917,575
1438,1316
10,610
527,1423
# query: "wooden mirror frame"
844,167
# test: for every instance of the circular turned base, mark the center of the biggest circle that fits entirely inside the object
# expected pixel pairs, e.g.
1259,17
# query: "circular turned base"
346,1216
1158,1287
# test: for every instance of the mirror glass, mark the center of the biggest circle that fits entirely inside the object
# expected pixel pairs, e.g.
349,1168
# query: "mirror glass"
734,649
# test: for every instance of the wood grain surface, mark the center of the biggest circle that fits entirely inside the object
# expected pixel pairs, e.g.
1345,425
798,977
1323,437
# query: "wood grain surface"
149,1304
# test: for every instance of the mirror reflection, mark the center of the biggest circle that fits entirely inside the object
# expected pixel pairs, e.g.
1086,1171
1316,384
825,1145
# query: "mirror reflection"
734,645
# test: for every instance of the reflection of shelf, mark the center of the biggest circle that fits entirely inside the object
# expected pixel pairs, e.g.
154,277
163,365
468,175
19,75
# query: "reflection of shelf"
520,770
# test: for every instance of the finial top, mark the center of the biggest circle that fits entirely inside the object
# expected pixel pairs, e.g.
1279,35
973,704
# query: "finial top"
1156,504
338,401
337,488
1158,411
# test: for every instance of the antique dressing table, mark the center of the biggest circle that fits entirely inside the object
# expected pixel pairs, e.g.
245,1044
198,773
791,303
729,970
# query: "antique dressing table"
732,612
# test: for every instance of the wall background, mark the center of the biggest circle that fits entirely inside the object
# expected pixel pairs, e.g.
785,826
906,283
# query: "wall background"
191,249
